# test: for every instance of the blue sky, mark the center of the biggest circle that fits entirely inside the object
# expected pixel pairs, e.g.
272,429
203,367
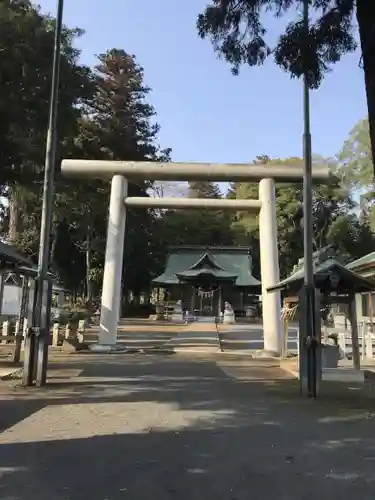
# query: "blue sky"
205,113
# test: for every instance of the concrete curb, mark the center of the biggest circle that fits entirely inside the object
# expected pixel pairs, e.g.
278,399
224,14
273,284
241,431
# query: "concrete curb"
337,374
106,349
217,354
289,367
212,352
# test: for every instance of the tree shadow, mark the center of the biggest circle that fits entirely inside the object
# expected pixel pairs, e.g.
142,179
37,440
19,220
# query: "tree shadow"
156,428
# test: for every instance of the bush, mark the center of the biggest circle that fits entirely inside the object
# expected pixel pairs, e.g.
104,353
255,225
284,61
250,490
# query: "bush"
73,313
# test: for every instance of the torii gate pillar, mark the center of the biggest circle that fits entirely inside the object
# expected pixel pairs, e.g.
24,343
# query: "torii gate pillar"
111,292
269,263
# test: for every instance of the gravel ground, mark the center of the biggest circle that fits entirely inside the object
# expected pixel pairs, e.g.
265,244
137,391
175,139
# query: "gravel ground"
172,427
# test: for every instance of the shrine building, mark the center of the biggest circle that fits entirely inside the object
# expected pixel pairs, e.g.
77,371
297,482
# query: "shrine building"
204,278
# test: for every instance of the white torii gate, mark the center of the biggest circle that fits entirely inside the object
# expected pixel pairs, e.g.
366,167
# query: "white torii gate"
120,172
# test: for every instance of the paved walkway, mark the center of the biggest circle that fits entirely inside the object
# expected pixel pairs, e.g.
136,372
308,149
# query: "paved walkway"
172,427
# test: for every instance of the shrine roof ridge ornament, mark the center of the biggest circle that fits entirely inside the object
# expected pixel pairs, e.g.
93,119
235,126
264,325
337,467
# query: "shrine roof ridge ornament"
189,171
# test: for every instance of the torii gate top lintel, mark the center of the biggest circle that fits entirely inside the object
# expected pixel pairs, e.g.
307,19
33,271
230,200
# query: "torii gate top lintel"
180,171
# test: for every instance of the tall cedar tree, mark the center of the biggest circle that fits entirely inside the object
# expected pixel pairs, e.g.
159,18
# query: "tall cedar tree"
126,130
238,34
116,123
26,41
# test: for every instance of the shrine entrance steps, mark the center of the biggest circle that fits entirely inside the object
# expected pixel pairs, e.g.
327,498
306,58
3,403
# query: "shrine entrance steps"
203,334
205,319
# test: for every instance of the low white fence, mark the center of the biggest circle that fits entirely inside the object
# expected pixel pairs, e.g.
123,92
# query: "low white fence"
366,343
11,332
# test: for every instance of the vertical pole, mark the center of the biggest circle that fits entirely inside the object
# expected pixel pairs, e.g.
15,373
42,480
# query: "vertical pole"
284,353
192,303
308,333
285,321
354,329
307,354
111,293
46,222
269,262
2,284
220,302
41,369
307,181
22,318
371,312
29,342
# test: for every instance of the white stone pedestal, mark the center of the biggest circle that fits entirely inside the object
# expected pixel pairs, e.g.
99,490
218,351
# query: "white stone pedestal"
178,313
229,318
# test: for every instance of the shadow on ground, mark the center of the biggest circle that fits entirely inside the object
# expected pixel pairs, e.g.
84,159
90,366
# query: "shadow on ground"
144,427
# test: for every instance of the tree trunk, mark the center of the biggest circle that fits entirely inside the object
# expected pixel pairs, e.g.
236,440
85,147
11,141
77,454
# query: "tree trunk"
147,296
89,294
54,240
136,298
366,26
14,228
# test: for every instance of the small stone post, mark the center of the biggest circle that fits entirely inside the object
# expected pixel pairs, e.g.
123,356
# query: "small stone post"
81,330
55,334
68,331
19,339
17,328
6,330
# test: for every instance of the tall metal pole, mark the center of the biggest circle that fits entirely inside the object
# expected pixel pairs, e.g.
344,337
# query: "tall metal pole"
307,173
40,330
308,377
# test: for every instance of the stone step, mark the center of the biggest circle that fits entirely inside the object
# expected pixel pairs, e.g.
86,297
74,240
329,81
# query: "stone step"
198,334
205,319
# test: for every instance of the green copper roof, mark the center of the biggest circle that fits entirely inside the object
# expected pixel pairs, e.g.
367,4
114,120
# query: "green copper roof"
207,261
222,263
363,261
322,271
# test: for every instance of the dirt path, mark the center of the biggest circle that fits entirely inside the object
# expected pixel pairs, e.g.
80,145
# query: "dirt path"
173,427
